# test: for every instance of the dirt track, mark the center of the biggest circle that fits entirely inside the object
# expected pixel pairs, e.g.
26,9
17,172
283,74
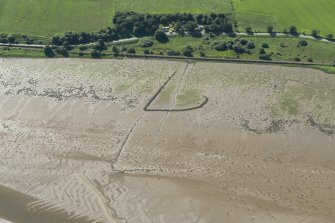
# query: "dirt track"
74,135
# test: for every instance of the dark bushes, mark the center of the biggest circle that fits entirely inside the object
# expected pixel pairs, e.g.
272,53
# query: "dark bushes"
48,51
146,43
221,47
95,54
173,53
161,36
265,56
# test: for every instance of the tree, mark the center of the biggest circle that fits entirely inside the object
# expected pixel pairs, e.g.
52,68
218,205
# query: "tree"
248,30
164,20
315,33
187,51
243,42
221,47
238,48
95,54
173,53
190,26
29,41
330,36
297,59
139,30
99,45
199,18
227,28
250,45
177,26
82,47
293,30
269,29
11,38
146,43
265,45
261,50
56,40
66,45
303,43
131,51
115,49
161,36
48,51
62,51
265,56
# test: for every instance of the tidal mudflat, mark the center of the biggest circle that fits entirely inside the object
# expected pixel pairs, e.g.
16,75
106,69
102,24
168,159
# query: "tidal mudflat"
166,141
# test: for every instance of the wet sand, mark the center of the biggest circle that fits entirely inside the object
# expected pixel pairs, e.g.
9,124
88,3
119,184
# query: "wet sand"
76,142
14,206
4,221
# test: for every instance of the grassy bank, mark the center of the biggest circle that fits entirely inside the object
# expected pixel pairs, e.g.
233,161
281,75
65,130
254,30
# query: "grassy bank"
281,48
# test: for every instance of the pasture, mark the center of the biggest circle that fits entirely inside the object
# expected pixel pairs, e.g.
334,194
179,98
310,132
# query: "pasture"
45,18
174,6
306,15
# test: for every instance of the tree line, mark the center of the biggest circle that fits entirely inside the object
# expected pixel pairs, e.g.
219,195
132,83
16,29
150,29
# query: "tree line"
128,24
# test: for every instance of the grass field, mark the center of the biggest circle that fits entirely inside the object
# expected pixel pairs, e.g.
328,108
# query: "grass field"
172,6
306,15
47,17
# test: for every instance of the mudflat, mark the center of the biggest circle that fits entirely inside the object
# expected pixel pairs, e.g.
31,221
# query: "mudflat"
166,141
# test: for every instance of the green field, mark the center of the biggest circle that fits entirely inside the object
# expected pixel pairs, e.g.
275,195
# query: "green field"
47,17
306,15
173,6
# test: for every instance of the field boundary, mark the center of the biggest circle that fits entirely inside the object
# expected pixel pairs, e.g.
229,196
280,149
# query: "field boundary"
118,154
147,105
228,60
158,92
204,102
